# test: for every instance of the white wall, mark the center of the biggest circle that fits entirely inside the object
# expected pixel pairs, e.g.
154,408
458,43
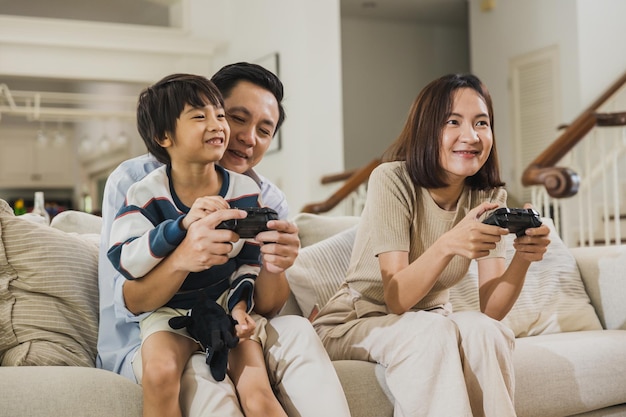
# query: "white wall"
516,28
385,65
579,28
602,57
306,35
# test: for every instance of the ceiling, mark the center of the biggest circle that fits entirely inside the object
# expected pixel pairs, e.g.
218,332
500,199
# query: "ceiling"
453,12
155,12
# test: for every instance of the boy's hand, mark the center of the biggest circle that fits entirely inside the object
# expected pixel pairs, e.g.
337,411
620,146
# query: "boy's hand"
202,207
245,324
283,247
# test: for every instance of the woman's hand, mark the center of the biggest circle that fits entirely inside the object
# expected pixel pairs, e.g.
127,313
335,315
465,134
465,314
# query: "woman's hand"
471,238
532,246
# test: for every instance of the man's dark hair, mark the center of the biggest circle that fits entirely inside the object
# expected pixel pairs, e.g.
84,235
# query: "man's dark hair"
160,105
228,76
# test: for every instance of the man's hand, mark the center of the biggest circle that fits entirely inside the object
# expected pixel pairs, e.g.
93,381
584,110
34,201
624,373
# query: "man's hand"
283,247
204,246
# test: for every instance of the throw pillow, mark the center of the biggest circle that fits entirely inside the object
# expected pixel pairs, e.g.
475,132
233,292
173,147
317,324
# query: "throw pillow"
313,228
553,298
319,270
48,294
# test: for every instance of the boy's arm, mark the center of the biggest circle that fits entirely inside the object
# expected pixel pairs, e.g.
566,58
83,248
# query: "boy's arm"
242,280
202,247
137,246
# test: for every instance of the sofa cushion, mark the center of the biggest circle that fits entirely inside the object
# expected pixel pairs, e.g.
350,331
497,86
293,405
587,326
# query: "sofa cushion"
313,228
553,299
48,294
319,270
602,269
570,373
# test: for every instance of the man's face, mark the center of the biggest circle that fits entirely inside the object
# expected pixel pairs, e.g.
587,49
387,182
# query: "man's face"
252,114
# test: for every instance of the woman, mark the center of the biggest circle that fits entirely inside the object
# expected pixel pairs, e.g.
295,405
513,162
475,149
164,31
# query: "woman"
419,231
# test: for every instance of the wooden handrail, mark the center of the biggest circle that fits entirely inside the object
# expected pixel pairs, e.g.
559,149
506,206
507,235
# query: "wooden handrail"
342,176
352,183
563,182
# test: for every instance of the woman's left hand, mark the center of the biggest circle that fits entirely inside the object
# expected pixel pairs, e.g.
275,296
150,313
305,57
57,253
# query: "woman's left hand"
534,243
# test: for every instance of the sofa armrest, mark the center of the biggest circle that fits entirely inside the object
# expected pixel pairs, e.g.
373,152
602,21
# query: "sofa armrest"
603,271
42,391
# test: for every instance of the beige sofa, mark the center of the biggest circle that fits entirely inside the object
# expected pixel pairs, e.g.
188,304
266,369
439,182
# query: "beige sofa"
48,318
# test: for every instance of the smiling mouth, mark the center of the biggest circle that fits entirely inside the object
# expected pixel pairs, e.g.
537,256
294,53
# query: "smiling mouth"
215,141
238,154
467,152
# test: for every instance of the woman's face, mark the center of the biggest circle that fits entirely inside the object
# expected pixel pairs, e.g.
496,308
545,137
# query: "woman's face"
467,137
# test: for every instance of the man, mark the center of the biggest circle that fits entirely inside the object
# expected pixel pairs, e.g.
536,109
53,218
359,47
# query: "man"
299,368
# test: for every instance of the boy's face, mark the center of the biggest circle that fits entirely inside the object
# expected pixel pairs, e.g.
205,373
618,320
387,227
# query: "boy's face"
252,113
201,135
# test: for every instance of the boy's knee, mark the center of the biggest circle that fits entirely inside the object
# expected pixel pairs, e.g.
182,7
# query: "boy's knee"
161,374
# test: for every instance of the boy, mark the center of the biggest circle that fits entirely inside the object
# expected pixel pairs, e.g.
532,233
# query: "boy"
182,121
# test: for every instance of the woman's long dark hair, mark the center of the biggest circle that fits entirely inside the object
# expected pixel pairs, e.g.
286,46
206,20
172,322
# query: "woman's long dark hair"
419,143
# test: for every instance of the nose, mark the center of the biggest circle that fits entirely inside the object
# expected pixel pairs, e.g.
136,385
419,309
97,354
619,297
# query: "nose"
469,134
245,135
214,125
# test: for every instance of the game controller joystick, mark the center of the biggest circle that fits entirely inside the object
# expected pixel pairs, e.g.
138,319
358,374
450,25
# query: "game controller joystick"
253,224
515,219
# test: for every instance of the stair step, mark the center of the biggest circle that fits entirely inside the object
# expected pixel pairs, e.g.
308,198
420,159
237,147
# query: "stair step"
601,242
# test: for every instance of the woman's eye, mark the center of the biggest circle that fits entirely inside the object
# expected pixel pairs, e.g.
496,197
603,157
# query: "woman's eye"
482,123
452,122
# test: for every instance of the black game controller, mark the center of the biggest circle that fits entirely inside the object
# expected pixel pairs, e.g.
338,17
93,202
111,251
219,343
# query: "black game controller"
254,223
515,219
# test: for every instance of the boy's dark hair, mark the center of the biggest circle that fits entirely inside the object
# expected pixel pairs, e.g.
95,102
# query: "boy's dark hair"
228,77
160,105
419,143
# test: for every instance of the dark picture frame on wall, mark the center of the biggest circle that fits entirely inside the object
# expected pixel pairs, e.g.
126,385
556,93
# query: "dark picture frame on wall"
271,62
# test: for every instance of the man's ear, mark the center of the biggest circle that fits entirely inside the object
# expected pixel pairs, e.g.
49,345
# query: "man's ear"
179,322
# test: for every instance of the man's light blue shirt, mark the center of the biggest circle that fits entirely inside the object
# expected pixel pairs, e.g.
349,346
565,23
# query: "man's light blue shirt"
118,336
